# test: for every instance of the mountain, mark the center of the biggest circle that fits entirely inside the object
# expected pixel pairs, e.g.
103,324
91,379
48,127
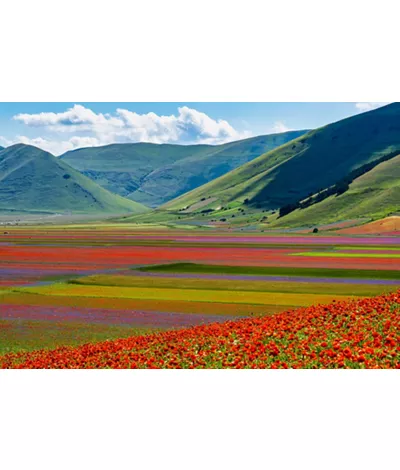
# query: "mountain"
374,194
154,174
304,166
34,180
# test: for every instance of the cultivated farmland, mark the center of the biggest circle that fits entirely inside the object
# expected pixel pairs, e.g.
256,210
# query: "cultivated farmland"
69,286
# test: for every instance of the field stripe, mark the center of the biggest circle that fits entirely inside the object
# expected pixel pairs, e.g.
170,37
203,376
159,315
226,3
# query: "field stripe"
190,295
309,286
340,273
112,303
324,254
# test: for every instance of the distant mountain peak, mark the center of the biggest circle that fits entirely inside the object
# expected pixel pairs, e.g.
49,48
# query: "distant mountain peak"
32,179
155,173
305,166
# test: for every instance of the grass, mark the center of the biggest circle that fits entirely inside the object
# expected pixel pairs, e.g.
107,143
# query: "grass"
34,180
272,271
375,194
153,174
345,145
233,285
190,295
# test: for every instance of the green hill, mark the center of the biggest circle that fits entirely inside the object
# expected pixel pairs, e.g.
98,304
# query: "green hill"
376,194
34,180
301,167
154,174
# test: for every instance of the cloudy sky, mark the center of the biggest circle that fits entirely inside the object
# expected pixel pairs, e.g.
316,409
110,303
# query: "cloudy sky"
59,127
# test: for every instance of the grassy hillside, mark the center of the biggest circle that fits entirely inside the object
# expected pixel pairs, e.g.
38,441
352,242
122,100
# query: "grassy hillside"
34,180
375,194
301,167
153,174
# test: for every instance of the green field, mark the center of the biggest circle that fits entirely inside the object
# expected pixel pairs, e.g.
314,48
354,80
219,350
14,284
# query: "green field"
274,271
190,295
134,281
229,285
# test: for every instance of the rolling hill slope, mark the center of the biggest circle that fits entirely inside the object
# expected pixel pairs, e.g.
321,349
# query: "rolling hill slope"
375,194
34,180
304,166
153,174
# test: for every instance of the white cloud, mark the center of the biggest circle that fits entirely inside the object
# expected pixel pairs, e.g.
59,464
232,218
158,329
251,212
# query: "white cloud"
56,147
84,141
76,117
369,106
4,142
279,127
187,127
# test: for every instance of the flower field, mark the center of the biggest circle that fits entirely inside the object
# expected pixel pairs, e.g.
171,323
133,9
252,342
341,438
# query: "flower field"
67,286
350,334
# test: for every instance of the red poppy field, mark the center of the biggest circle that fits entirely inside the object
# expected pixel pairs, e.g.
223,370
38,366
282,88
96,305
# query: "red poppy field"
71,286
357,334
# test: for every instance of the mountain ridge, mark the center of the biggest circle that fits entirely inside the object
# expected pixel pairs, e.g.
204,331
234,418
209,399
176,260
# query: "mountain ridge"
312,162
34,180
155,173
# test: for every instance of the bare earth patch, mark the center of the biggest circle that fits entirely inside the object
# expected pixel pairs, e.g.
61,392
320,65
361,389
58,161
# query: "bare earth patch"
388,225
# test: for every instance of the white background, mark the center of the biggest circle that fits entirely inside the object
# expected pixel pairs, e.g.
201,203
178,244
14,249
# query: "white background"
199,51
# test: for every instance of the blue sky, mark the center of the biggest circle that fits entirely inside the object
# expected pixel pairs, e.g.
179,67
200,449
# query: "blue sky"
58,127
